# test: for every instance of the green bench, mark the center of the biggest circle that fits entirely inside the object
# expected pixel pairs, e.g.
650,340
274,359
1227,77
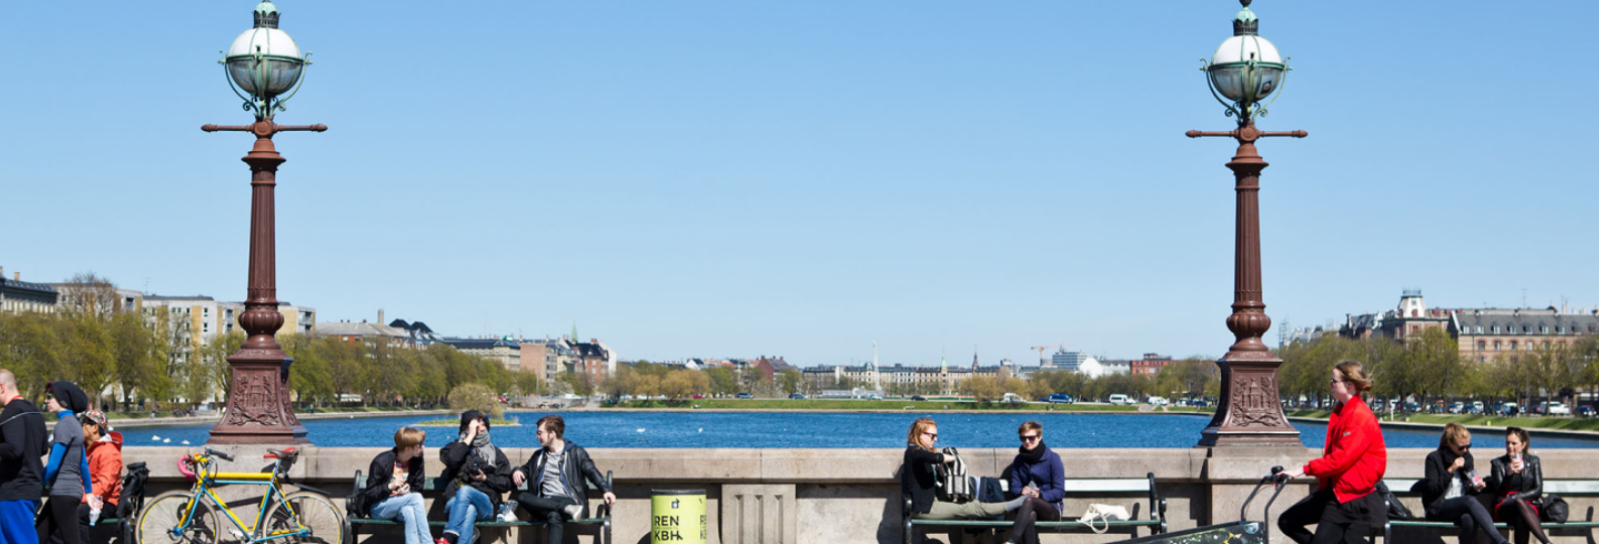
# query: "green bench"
1564,488
430,488
1156,521
118,524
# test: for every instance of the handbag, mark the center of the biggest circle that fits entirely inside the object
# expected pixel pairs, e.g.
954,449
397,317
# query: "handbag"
1396,509
1104,513
1555,509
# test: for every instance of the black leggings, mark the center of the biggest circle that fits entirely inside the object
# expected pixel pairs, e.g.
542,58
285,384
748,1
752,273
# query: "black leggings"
1523,521
1468,513
1033,510
549,511
1336,522
59,521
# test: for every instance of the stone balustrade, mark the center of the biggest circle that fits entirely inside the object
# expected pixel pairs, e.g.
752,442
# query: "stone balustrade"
851,496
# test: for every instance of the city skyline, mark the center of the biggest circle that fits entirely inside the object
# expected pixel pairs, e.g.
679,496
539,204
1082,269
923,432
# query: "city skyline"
689,179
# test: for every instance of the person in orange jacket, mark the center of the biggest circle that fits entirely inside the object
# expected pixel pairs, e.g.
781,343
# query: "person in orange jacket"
1354,459
105,466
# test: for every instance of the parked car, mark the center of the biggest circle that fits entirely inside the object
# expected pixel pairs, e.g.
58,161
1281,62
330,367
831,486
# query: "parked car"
796,396
1012,398
1509,409
1584,411
745,396
1476,407
1158,401
874,397
698,396
1058,398
1457,408
1120,399
918,398
1557,409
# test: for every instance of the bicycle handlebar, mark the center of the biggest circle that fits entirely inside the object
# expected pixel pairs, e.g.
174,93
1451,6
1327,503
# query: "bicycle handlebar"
218,454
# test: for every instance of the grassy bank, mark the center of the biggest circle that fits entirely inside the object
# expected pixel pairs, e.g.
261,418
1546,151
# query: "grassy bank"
1558,423
855,404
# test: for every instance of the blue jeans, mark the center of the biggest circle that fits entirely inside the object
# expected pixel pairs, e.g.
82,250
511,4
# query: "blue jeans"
468,506
410,510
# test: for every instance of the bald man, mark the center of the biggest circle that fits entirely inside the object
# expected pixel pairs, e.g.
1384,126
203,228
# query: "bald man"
22,444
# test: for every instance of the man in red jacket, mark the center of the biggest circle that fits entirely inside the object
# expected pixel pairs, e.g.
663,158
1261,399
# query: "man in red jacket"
1345,504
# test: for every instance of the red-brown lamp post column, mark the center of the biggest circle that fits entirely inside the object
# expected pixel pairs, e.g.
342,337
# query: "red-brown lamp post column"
267,66
1247,69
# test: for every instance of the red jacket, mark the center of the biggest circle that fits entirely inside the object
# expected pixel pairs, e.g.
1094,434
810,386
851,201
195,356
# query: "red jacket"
105,468
1355,458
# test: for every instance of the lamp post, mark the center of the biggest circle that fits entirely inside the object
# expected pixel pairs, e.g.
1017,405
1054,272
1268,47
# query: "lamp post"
265,68
1245,71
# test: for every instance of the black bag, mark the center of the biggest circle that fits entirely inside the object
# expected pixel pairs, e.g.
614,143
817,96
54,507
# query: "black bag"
1555,509
1396,509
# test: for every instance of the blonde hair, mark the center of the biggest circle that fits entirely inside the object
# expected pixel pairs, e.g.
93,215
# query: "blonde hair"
409,436
1355,374
1453,434
913,438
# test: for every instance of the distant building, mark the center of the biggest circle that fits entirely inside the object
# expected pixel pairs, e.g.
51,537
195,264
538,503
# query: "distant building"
500,350
770,367
1068,360
547,357
364,331
1150,365
1483,333
208,318
17,296
595,359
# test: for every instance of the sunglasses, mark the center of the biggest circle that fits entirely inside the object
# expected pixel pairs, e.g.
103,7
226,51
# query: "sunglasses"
1466,447
1029,437
934,435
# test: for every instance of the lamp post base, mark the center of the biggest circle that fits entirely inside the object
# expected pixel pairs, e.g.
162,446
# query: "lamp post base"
1249,412
258,410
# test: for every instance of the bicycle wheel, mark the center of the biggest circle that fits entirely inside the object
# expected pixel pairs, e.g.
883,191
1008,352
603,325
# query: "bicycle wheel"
320,520
167,520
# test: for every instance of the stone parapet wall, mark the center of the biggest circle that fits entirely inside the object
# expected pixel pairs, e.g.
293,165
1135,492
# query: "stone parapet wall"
788,496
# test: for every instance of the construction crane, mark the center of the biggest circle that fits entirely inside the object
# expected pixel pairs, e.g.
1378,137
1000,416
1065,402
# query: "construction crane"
1042,348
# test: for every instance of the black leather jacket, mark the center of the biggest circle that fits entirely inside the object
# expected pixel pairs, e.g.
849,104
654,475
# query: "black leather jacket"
1527,485
578,469
1436,482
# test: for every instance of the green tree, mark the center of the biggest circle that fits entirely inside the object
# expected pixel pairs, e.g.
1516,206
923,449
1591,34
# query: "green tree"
790,380
475,396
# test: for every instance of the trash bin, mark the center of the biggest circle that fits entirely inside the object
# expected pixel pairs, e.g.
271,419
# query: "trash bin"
677,516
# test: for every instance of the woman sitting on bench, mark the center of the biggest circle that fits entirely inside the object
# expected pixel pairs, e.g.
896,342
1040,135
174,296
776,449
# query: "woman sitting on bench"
1039,478
919,481
1518,484
1449,491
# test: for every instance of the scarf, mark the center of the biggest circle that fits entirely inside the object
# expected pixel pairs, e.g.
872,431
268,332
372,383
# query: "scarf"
484,449
1033,455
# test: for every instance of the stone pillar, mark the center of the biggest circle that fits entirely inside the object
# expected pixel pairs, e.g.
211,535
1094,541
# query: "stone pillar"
759,514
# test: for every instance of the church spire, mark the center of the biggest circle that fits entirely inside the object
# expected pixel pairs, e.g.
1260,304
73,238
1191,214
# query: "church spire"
575,339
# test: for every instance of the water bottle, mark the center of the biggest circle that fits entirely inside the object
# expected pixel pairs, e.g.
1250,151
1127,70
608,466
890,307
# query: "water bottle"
94,516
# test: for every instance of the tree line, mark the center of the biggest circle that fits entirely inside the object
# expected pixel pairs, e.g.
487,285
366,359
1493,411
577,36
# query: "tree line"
1429,367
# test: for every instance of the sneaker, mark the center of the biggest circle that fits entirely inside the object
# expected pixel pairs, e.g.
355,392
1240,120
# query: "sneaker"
572,511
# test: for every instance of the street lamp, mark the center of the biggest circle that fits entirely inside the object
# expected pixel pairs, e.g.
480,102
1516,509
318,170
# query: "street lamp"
265,68
1245,71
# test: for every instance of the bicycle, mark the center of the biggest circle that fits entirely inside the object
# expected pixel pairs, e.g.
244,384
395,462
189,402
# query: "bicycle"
190,517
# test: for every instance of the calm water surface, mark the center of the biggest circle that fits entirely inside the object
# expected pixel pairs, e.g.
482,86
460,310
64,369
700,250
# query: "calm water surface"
815,430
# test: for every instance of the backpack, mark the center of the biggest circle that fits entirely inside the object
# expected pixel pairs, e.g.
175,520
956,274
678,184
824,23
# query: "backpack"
1396,509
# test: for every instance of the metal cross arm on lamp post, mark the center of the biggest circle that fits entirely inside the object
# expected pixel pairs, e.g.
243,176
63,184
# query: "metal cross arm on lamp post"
265,68
1247,69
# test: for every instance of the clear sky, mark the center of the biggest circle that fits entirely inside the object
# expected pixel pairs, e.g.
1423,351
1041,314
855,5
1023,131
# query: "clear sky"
726,178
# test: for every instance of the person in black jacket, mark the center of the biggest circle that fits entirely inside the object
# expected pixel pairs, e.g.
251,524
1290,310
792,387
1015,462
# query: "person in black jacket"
23,441
919,481
478,473
1518,483
557,472
1449,490
394,486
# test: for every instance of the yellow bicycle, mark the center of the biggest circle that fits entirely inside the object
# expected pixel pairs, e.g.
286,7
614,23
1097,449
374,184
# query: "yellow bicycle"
190,517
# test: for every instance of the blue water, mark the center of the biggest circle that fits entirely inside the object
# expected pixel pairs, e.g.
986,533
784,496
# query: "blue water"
817,430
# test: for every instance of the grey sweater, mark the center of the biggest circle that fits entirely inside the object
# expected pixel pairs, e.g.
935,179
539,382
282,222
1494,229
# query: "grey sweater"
69,474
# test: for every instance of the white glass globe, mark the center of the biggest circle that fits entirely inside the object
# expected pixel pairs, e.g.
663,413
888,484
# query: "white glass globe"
277,68
1246,68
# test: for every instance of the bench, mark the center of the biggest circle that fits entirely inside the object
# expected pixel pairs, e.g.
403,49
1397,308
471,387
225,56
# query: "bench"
1095,486
431,488
128,506
1564,488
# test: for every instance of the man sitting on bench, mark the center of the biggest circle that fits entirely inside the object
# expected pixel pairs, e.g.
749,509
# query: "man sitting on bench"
557,472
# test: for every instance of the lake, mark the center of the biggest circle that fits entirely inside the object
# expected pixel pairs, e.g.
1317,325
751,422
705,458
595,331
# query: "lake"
682,429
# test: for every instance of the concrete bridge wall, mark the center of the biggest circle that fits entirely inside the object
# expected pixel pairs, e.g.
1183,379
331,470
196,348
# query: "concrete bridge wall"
851,496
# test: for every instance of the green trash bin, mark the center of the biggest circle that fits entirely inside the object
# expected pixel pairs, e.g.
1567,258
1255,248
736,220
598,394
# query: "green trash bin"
677,516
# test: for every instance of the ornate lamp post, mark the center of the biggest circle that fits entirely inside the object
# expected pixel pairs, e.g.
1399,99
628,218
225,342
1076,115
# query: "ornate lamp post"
1245,71
266,68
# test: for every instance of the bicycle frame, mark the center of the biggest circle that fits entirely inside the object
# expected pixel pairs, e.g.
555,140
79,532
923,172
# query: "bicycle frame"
205,483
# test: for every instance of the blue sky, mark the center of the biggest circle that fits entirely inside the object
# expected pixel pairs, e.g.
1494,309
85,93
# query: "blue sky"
730,179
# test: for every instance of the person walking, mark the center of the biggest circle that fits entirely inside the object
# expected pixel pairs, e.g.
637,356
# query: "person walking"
105,471
1038,476
919,481
1449,489
478,474
66,475
1518,483
556,474
1353,461
394,484
22,444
